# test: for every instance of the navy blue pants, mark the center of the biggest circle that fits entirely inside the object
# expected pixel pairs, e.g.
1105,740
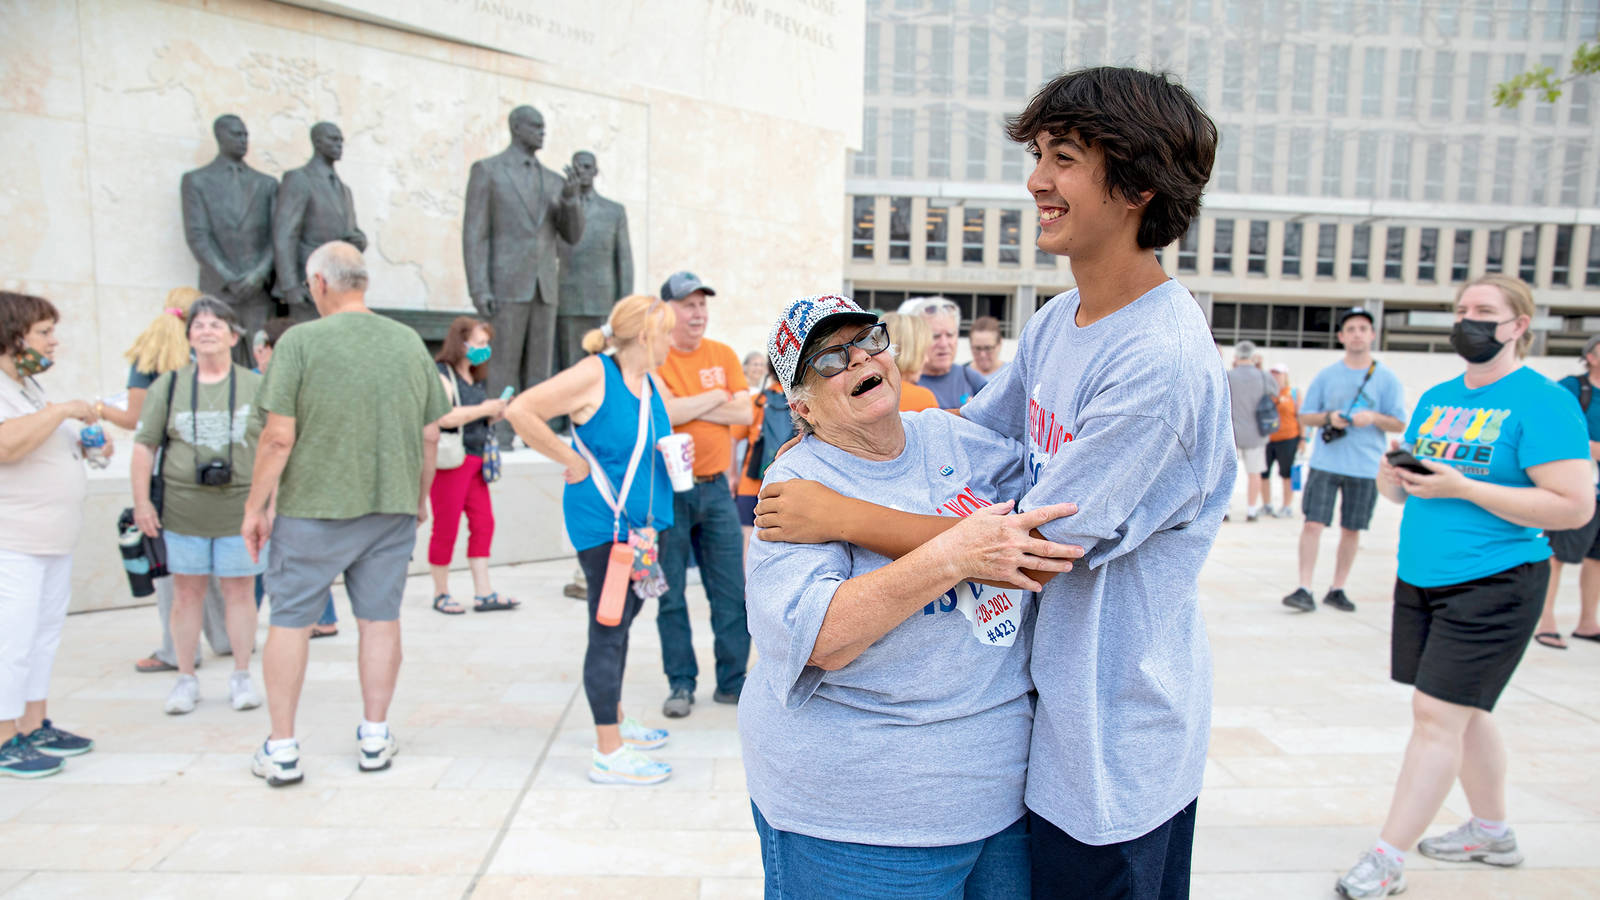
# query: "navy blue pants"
1154,866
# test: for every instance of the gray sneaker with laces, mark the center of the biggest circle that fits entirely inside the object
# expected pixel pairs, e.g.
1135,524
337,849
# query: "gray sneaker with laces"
1468,842
1374,875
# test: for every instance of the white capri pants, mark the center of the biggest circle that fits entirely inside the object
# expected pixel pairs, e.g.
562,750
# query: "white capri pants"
33,606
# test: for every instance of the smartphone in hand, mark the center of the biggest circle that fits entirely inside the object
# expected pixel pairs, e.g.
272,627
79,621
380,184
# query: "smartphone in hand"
1402,459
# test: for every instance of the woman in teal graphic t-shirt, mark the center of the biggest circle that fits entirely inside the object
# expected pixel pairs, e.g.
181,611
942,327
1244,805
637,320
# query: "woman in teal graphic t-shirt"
1507,457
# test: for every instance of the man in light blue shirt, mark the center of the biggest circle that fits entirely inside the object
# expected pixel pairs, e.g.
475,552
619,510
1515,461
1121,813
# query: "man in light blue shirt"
1354,402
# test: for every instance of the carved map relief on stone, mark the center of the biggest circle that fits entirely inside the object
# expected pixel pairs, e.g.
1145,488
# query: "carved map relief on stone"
227,221
314,207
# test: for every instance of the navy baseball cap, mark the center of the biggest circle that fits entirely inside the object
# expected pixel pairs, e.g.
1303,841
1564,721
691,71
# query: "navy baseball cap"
1354,311
683,283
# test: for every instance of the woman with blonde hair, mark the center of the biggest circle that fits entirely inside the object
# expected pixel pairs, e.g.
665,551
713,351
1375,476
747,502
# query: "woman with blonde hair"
617,491
912,337
1498,455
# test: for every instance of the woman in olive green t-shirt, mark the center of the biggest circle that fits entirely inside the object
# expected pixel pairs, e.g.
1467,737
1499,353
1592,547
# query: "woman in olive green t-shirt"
206,415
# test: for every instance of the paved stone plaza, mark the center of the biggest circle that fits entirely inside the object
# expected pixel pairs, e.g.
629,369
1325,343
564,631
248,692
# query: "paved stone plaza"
488,797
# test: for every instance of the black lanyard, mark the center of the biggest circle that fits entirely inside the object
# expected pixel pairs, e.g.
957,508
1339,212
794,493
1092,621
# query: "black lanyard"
194,409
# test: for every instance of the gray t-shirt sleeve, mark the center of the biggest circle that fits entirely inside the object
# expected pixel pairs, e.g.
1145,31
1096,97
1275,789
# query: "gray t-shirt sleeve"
998,407
1130,478
796,585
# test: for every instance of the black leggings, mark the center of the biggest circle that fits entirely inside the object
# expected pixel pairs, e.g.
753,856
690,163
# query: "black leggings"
608,644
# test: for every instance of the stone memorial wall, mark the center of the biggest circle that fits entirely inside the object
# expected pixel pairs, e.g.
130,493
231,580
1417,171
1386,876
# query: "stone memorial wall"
721,127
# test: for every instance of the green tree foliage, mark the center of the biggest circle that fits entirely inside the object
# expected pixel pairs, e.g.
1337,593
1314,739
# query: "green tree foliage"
1543,80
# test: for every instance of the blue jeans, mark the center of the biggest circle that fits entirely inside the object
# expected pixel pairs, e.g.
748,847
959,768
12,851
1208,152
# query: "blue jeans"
329,616
705,520
798,867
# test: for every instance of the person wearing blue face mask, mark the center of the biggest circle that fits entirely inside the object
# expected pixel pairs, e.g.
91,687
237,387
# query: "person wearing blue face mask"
458,485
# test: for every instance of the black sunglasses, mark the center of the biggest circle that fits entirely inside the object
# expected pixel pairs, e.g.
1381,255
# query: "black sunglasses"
830,361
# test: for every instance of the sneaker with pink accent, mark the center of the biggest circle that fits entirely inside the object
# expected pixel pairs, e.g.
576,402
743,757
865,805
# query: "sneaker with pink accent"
1373,876
1468,842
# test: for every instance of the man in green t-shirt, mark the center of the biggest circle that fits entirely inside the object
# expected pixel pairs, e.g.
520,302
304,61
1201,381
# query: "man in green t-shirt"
341,481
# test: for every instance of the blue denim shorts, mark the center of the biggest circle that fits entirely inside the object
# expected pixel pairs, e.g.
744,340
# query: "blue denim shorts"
224,557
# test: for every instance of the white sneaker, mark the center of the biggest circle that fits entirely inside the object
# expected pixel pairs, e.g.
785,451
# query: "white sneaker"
635,735
183,696
374,752
280,767
242,692
627,766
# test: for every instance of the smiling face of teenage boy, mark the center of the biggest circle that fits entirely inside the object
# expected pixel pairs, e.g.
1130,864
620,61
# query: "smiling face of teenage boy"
1079,215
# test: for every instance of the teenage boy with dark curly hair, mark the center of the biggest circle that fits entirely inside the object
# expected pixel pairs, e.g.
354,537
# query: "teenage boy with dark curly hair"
1119,396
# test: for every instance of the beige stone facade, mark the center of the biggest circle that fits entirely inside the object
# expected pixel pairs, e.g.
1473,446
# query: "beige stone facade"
105,103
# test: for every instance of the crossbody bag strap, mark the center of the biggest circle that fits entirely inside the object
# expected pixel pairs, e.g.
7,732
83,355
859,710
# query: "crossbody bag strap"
1357,398
617,500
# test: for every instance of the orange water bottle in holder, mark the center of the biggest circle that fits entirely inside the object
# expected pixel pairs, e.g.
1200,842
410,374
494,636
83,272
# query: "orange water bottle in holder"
619,565
614,594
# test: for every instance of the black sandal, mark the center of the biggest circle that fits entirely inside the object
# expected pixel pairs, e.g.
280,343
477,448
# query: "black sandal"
493,602
443,600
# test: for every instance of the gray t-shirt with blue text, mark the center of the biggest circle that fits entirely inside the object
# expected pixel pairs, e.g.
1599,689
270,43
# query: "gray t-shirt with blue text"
922,740
1127,417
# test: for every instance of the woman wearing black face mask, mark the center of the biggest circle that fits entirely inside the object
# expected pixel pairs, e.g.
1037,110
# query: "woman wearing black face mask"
1507,454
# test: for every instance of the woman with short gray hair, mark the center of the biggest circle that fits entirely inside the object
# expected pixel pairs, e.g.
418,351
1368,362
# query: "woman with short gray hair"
886,723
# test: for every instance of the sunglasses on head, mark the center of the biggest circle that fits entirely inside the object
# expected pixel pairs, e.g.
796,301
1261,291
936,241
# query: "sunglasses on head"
830,361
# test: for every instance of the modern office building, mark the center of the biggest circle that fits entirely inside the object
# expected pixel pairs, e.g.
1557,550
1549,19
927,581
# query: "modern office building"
1362,159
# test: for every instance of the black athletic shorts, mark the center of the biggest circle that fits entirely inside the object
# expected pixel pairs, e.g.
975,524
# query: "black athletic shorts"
1572,547
1281,452
1460,643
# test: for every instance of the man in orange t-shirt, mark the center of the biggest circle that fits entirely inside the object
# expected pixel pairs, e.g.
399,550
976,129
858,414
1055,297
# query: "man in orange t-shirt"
705,393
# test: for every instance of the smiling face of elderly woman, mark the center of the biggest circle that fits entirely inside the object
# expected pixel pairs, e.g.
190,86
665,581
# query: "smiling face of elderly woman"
863,396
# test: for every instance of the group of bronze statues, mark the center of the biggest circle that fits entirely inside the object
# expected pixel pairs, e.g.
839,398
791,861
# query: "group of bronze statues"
545,255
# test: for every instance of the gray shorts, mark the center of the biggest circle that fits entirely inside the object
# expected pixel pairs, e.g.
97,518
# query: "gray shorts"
1360,498
372,552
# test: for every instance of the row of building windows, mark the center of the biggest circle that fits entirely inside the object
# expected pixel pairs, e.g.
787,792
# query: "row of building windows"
1242,247
1540,171
1478,19
1297,161
1434,263
1409,83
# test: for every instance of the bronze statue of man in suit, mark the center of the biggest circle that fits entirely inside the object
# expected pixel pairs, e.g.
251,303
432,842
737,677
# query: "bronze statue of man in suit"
314,207
227,220
597,271
517,210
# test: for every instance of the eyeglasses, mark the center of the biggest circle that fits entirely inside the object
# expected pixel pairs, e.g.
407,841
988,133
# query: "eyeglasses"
830,361
981,348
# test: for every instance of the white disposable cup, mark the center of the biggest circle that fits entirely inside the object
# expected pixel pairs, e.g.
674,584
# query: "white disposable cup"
679,452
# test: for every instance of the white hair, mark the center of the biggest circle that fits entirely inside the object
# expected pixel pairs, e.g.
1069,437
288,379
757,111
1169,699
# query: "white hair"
933,307
340,265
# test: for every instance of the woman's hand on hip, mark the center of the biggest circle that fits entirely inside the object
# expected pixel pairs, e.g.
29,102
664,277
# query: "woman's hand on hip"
992,545
577,470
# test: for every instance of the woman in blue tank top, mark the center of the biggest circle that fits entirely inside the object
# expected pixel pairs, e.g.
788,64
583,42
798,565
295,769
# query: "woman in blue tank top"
602,396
